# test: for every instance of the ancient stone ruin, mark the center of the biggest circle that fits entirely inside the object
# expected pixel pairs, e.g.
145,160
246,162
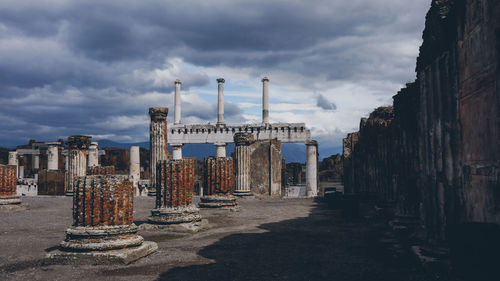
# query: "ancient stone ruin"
77,160
433,157
158,141
103,230
218,185
242,163
9,200
174,209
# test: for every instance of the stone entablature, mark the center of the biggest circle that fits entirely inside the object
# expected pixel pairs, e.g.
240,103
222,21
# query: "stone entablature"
284,132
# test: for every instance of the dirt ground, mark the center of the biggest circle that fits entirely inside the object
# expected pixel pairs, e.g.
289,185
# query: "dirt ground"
268,239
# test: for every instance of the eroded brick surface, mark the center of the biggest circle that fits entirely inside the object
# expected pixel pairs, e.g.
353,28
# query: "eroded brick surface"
103,200
219,176
8,180
175,183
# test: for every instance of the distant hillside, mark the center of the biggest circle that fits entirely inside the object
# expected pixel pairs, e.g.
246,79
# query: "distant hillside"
292,152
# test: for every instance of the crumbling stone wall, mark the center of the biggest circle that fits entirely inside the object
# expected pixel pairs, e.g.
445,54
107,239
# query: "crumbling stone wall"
51,182
440,154
265,160
118,158
101,170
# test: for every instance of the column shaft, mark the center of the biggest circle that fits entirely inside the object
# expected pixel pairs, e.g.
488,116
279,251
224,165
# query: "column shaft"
52,158
312,169
158,140
135,169
265,100
177,101
220,101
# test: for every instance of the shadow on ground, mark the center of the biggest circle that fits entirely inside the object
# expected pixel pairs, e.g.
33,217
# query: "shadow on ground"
322,246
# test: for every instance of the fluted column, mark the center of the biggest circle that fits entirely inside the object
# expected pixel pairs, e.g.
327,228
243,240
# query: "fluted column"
265,100
312,169
77,159
103,230
93,155
177,101
220,101
53,157
242,161
158,142
135,169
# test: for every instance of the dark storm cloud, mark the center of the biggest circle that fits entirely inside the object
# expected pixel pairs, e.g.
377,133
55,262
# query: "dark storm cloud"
325,104
70,66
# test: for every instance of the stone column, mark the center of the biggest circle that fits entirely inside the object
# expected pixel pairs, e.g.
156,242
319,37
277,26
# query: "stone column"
103,230
176,151
9,200
174,208
220,101
312,169
76,159
221,149
265,100
218,183
53,158
93,155
135,169
177,101
20,167
242,162
158,141
36,161
13,161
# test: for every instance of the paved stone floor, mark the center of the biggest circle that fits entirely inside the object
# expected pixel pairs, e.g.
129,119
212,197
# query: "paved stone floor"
271,239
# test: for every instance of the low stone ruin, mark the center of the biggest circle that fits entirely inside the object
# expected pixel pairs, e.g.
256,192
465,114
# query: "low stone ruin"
9,200
103,230
174,209
219,178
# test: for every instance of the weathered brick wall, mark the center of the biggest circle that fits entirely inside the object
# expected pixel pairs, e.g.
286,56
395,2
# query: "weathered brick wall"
116,157
51,182
219,176
175,183
8,180
101,170
103,200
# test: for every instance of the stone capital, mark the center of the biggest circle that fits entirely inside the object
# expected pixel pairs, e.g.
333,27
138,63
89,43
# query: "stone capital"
78,142
177,81
158,113
221,80
312,142
243,139
265,79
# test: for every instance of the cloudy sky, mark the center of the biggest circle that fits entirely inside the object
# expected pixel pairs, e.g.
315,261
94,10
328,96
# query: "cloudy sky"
95,67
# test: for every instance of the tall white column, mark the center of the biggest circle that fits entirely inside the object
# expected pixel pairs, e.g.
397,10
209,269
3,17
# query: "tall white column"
52,158
93,155
13,161
265,100
312,169
221,149
36,161
220,101
135,169
158,141
242,161
177,101
176,151
77,159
